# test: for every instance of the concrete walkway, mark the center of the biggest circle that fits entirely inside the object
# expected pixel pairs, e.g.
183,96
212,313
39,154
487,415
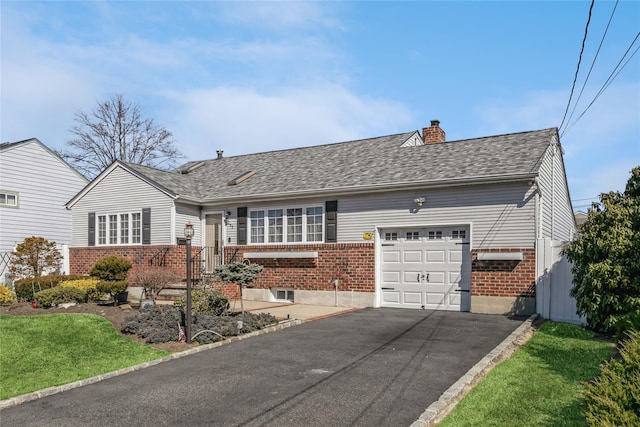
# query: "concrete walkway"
291,311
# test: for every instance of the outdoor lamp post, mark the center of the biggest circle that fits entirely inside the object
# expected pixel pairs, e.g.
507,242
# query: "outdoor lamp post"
188,233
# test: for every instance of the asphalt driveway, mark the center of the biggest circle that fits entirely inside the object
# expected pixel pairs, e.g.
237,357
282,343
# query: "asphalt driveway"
379,367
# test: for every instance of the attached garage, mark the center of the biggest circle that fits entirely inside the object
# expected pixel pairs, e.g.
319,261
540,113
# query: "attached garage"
425,268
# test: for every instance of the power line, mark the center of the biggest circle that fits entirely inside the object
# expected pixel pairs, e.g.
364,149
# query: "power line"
575,78
593,63
609,80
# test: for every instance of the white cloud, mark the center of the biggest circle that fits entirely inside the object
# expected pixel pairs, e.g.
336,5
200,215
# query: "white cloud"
241,120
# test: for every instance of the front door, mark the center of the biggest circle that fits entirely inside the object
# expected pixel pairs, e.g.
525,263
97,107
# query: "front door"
213,241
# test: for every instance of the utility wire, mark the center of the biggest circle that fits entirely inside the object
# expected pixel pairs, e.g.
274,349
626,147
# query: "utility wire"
606,30
608,82
575,78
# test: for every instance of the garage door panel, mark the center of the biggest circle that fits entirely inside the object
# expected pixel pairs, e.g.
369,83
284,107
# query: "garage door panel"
436,256
413,298
436,277
412,256
411,277
454,298
455,256
435,298
391,256
391,276
454,277
392,297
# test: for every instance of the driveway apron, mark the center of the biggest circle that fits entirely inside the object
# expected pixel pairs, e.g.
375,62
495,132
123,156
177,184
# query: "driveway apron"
379,367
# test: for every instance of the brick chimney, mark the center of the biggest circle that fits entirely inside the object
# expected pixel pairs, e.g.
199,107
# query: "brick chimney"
433,134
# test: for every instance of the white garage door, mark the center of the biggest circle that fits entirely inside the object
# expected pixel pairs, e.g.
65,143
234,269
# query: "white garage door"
426,268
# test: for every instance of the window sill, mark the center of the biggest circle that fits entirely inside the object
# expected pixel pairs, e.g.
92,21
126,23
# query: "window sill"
500,256
257,255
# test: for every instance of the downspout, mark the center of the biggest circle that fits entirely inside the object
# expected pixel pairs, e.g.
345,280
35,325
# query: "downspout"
553,190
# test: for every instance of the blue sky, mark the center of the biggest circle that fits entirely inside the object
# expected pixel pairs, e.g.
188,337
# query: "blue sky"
260,76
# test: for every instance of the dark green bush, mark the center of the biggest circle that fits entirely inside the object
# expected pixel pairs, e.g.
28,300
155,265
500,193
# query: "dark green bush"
112,267
613,399
25,288
112,287
59,295
206,302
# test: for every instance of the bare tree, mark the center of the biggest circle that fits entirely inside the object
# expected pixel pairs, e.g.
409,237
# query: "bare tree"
116,130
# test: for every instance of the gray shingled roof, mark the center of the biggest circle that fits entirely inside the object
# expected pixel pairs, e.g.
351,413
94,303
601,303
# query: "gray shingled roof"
358,165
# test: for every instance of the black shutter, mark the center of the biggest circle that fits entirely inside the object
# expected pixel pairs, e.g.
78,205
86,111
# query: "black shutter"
242,226
92,229
331,221
146,226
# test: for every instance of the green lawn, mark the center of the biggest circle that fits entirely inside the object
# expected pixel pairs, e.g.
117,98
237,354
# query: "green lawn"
540,385
43,351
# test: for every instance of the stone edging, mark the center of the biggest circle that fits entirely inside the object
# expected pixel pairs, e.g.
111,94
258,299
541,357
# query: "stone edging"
17,400
448,400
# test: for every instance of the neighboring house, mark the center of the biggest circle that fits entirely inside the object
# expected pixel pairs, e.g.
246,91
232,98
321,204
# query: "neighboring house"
405,220
35,184
581,217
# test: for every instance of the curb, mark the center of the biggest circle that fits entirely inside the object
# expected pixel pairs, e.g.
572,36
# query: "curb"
438,410
23,398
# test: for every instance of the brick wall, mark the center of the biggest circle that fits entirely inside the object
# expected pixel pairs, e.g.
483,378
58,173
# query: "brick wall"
353,264
504,278
82,259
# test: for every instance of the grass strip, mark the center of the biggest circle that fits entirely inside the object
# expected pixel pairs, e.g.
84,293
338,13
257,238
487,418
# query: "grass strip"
37,352
540,385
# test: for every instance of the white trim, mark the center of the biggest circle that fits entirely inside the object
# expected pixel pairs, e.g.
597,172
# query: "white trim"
500,256
252,255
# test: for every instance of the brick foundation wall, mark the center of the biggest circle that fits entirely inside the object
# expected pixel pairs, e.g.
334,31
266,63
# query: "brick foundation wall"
504,278
81,260
353,264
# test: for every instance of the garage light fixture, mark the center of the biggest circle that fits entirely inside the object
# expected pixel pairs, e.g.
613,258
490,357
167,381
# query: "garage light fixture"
419,200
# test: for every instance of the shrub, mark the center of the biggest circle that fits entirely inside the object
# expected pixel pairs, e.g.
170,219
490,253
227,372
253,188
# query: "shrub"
25,288
6,296
613,399
112,267
58,295
154,323
206,302
152,279
88,285
161,324
113,288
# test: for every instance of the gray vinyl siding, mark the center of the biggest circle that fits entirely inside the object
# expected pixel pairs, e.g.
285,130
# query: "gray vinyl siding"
188,213
44,184
501,216
557,220
121,192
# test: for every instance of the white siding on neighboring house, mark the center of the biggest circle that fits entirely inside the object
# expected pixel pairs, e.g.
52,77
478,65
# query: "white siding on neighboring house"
502,215
44,183
121,192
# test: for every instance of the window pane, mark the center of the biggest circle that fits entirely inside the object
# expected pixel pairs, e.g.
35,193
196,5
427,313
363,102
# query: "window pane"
102,230
257,226
275,226
294,225
314,224
135,228
113,229
124,228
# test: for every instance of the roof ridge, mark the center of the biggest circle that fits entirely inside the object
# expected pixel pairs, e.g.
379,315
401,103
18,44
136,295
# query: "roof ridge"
301,148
